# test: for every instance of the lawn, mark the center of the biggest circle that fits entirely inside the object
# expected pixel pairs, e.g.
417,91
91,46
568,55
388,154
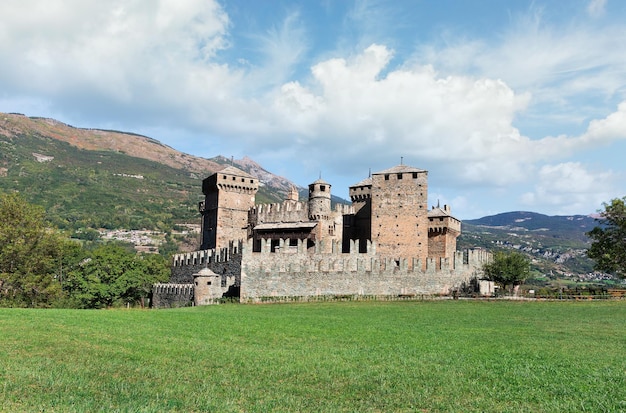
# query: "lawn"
430,356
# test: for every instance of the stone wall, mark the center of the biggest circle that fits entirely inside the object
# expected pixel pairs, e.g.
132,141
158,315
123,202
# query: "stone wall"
256,276
225,262
179,292
287,211
168,295
267,274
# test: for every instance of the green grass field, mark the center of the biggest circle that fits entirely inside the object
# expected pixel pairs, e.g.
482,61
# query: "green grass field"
435,356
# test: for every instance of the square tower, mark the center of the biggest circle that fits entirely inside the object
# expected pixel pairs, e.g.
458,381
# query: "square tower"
443,230
399,212
229,195
359,226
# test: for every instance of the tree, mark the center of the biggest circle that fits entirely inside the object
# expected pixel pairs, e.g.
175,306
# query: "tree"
31,255
507,269
608,247
113,275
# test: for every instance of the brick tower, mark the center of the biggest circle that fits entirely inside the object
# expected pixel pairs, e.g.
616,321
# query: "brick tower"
399,217
443,230
359,226
229,194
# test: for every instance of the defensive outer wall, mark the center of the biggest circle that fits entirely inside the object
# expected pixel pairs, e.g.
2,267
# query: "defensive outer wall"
293,273
179,291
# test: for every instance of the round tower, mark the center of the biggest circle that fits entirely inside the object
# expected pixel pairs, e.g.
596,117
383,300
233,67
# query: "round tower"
319,200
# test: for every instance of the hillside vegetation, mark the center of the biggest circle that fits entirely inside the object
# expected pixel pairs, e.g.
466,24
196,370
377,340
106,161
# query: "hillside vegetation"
87,178
557,245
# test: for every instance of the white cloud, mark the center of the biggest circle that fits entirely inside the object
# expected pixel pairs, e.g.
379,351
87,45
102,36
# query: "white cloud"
563,66
410,110
611,128
127,53
281,47
596,8
568,188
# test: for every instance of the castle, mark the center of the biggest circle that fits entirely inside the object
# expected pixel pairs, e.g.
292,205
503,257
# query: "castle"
385,244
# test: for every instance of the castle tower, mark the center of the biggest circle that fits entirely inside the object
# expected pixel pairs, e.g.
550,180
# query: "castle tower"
207,287
443,230
292,195
359,226
229,194
328,228
319,200
399,220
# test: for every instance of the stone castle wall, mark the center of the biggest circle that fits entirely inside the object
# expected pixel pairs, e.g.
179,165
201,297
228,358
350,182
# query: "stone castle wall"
225,262
266,275
287,211
167,295
179,292
257,276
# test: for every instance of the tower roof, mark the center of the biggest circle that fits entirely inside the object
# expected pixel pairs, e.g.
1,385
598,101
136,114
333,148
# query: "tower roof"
205,272
438,212
231,170
320,181
399,169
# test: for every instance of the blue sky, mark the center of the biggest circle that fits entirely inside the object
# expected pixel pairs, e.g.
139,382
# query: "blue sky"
510,105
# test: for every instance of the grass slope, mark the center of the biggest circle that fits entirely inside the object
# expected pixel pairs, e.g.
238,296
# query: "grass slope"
408,356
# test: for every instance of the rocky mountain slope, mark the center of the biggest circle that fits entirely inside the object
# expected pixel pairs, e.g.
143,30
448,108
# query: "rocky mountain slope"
134,145
89,178
14,125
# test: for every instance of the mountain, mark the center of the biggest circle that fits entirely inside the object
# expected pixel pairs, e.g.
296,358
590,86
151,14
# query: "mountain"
91,178
556,244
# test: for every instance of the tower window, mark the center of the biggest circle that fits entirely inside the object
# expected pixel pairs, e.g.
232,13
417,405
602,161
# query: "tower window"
414,175
399,176
234,178
243,180
386,177
323,188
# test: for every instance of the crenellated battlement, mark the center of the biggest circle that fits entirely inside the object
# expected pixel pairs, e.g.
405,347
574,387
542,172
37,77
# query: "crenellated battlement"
169,295
281,271
311,273
286,211
169,288
285,259
344,209
207,256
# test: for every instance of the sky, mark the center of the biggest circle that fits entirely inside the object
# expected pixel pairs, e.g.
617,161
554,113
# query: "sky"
510,105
